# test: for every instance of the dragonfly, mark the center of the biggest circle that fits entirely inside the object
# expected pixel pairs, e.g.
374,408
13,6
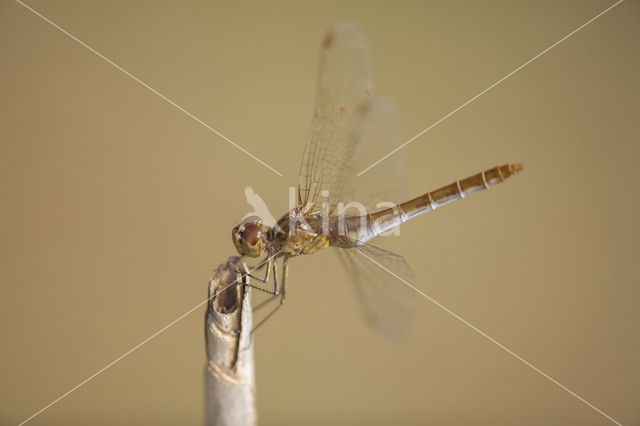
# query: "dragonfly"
348,125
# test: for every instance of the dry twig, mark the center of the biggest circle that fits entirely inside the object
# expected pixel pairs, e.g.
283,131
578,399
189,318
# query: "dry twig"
229,376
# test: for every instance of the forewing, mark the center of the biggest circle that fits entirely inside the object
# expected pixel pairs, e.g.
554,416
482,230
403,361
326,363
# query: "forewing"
343,100
381,280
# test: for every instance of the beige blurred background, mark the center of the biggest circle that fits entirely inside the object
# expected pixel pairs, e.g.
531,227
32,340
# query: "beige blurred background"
116,207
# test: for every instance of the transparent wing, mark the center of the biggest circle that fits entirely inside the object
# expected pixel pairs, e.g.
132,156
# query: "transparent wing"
343,98
385,184
380,278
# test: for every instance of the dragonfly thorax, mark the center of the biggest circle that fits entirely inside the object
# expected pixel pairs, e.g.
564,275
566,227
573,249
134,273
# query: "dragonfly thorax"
296,233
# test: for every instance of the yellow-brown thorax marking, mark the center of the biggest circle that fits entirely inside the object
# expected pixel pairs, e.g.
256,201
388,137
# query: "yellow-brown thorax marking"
304,242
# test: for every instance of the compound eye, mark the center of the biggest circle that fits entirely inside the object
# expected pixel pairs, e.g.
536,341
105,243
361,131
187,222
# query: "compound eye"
252,233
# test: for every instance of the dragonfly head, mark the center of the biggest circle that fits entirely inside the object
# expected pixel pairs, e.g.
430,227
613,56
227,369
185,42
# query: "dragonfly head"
248,237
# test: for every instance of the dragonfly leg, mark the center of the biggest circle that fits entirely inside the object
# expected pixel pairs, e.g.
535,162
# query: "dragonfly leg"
273,294
267,263
271,264
283,293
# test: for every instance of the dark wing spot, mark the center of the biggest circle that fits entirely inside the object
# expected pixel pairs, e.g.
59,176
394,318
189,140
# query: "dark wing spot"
328,40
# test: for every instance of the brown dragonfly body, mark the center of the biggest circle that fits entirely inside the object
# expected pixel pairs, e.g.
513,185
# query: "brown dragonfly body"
297,233
347,125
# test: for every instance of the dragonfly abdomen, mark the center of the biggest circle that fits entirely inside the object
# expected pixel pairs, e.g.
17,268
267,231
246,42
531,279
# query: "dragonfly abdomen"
456,190
384,220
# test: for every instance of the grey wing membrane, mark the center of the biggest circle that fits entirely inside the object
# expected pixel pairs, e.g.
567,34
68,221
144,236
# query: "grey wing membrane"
343,98
386,184
381,280
344,116
377,274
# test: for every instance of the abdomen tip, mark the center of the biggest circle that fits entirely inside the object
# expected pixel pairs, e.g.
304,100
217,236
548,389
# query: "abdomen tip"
515,168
